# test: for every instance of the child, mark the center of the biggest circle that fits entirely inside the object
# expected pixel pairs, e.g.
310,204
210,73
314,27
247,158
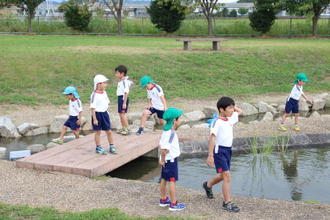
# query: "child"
169,153
100,116
220,143
75,112
122,93
292,104
157,102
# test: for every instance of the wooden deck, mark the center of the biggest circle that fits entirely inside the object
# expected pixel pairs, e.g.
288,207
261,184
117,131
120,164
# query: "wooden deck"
79,157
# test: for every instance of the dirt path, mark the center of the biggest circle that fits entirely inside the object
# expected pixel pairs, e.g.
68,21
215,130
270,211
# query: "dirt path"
77,193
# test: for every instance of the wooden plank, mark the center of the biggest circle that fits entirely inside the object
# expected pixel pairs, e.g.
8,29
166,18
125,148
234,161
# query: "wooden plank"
200,39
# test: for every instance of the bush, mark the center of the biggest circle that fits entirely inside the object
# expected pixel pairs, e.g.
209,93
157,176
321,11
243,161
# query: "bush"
233,13
167,15
76,16
263,17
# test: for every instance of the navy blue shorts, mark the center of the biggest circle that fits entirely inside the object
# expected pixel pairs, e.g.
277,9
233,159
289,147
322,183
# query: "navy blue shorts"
72,123
222,159
104,121
158,112
292,105
120,104
170,171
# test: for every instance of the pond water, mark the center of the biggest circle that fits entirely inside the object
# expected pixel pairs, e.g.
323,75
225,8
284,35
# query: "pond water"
301,175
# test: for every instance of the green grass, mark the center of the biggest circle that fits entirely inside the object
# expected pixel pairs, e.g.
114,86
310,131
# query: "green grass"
13,212
36,69
191,26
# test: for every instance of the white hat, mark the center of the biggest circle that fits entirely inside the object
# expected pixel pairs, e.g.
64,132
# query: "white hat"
99,79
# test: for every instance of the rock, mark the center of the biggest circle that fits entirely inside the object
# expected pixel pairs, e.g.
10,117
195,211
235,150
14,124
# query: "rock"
247,109
254,122
193,116
324,95
209,111
25,127
2,153
57,124
51,145
268,117
318,104
183,127
133,116
281,108
204,125
83,121
148,125
315,114
87,126
115,121
36,148
327,103
263,107
37,131
275,105
7,128
303,106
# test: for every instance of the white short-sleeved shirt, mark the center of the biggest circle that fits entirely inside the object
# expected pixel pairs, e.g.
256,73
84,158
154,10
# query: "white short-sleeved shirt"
100,101
154,94
75,107
123,86
170,141
296,92
223,131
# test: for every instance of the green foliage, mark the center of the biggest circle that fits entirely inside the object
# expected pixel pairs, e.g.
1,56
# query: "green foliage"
243,11
245,1
167,15
225,12
233,13
263,17
4,3
77,16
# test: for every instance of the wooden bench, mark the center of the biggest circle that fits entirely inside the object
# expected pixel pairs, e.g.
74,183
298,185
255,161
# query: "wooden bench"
187,42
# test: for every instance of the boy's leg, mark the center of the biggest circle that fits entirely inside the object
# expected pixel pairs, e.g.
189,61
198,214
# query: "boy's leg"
226,186
63,132
296,120
282,126
163,189
124,122
215,180
109,136
97,138
146,113
76,133
173,191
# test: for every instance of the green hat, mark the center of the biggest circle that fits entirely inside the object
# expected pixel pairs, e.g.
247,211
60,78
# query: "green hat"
145,80
169,115
301,77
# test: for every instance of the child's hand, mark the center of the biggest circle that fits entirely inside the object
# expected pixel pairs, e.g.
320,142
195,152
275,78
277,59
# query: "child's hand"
210,161
96,122
162,162
78,122
124,106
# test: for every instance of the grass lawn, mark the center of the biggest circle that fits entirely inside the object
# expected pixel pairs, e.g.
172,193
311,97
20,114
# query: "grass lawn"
36,69
11,212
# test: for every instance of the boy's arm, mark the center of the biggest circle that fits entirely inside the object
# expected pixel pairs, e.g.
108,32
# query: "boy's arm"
162,98
163,153
149,104
95,122
238,110
307,99
125,100
79,118
210,159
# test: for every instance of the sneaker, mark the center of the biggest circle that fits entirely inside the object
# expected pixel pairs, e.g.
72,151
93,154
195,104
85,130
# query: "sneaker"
112,149
100,150
177,206
282,128
140,131
57,141
120,130
124,132
230,207
165,202
296,128
208,191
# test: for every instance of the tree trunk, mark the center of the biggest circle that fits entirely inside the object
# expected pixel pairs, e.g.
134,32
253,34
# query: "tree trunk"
315,20
209,25
119,22
30,16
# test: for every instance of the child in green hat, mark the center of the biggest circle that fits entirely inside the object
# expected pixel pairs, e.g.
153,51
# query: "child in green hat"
292,103
169,153
157,102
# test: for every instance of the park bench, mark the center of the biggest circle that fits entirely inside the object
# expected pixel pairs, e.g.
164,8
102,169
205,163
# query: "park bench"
187,42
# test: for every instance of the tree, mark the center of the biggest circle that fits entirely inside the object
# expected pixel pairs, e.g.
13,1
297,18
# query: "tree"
243,11
4,3
30,7
76,14
208,7
245,1
307,7
167,15
116,8
263,17
233,13
225,12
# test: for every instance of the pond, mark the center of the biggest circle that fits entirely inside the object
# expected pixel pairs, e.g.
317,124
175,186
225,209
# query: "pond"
302,175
